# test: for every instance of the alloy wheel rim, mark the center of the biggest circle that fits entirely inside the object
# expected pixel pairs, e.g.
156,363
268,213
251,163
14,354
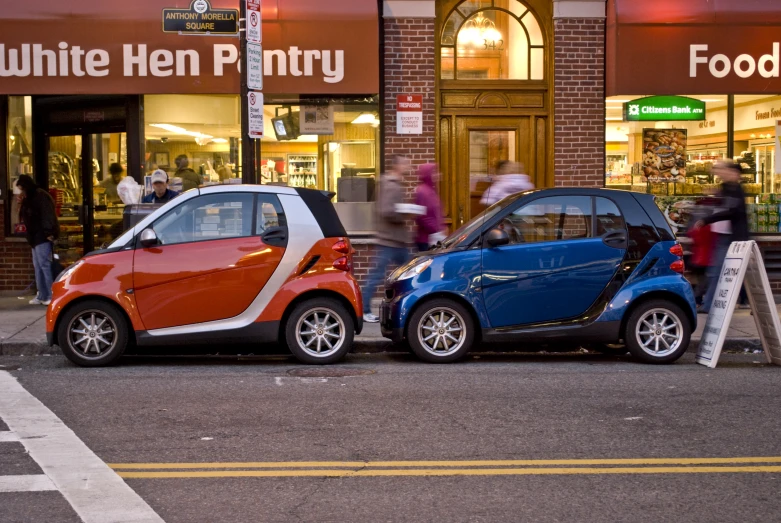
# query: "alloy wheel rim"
441,331
320,332
659,332
92,333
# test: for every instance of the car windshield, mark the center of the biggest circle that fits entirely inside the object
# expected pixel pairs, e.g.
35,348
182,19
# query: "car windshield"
466,230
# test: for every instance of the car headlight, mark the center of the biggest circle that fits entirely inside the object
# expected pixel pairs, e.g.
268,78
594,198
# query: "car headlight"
407,272
67,272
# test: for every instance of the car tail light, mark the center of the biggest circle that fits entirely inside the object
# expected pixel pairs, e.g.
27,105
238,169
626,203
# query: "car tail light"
343,264
342,247
678,266
677,250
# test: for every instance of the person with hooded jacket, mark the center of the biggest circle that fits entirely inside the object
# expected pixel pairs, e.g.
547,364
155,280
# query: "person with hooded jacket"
429,225
510,181
39,217
190,179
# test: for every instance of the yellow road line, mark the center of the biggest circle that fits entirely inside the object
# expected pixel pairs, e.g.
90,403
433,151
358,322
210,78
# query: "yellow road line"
478,463
446,472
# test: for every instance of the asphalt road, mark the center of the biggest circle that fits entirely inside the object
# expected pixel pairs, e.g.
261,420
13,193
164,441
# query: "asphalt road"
346,442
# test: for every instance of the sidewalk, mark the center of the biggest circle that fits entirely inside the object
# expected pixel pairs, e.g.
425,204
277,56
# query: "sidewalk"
23,332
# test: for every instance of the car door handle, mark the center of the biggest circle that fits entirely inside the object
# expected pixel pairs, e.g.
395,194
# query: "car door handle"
275,236
616,239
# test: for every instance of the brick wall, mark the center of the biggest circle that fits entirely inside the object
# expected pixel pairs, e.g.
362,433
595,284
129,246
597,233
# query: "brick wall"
409,69
579,102
16,263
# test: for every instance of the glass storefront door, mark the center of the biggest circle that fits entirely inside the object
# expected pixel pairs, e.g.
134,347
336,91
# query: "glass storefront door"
83,172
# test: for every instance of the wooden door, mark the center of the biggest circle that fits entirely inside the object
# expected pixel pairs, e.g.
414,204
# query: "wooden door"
472,146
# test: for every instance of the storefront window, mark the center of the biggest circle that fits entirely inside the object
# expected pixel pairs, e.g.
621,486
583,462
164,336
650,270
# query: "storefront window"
20,152
322,144
194,138
673,159
492,40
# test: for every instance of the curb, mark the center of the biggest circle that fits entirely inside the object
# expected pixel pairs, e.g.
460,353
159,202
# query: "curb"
375,346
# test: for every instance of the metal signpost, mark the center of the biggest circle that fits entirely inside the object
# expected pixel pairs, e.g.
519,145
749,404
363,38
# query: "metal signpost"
742,266
251,84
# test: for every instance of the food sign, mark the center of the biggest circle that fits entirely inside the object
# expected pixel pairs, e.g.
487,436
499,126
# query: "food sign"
664,155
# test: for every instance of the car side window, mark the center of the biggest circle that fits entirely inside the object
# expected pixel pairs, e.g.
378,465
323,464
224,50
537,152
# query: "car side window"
609,218
209,217
554,218
270,213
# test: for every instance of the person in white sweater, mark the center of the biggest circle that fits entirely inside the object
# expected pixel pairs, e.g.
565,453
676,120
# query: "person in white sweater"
510,181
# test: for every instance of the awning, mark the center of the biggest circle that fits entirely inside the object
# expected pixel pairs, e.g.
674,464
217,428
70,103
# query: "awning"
693,47
161,46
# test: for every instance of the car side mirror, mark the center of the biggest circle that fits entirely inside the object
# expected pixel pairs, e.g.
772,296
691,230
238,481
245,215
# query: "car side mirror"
497,237
148,238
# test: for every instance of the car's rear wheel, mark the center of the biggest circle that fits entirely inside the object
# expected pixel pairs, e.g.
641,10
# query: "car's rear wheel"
441,331
93,333
320,331
657,331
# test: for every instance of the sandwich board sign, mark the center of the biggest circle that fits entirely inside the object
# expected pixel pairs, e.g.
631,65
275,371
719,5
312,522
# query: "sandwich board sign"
743,265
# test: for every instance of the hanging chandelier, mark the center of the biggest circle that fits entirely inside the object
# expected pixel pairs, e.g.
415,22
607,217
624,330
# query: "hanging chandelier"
478,32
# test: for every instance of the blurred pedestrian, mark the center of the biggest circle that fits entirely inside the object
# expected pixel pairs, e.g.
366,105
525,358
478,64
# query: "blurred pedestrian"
729,222
430,226
160,193
703,242
116,174
190,179
510,181
392,234
39,217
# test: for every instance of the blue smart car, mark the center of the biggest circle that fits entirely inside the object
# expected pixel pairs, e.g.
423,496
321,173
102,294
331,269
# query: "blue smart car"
596,267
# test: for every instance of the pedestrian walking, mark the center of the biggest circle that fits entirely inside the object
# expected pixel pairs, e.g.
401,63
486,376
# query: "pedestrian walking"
38,215
729,223
703,241
430,226
161,193
190,179
510,181
392,234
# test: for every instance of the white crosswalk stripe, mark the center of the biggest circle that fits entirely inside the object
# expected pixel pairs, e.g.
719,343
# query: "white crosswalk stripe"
95,492
26,483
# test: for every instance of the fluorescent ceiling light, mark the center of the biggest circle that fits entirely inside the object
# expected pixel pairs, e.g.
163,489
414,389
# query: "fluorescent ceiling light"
365,118
179,130
168,127
614,118
711,99
220,140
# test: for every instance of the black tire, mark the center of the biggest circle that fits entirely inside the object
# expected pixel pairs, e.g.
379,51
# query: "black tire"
93,352
423,321
337,315
659,308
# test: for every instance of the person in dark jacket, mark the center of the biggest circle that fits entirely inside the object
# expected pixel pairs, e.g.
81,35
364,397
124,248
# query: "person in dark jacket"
39,217
392,235
190,179
429,225
730,223
161,192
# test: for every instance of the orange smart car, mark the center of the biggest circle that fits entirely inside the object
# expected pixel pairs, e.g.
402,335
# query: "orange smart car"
230,263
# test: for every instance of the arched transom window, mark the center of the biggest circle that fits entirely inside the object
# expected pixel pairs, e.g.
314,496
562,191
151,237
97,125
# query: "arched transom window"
492,40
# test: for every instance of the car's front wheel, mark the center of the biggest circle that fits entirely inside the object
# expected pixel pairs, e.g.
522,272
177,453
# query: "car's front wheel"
93,333
320,331
441,331
657,331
